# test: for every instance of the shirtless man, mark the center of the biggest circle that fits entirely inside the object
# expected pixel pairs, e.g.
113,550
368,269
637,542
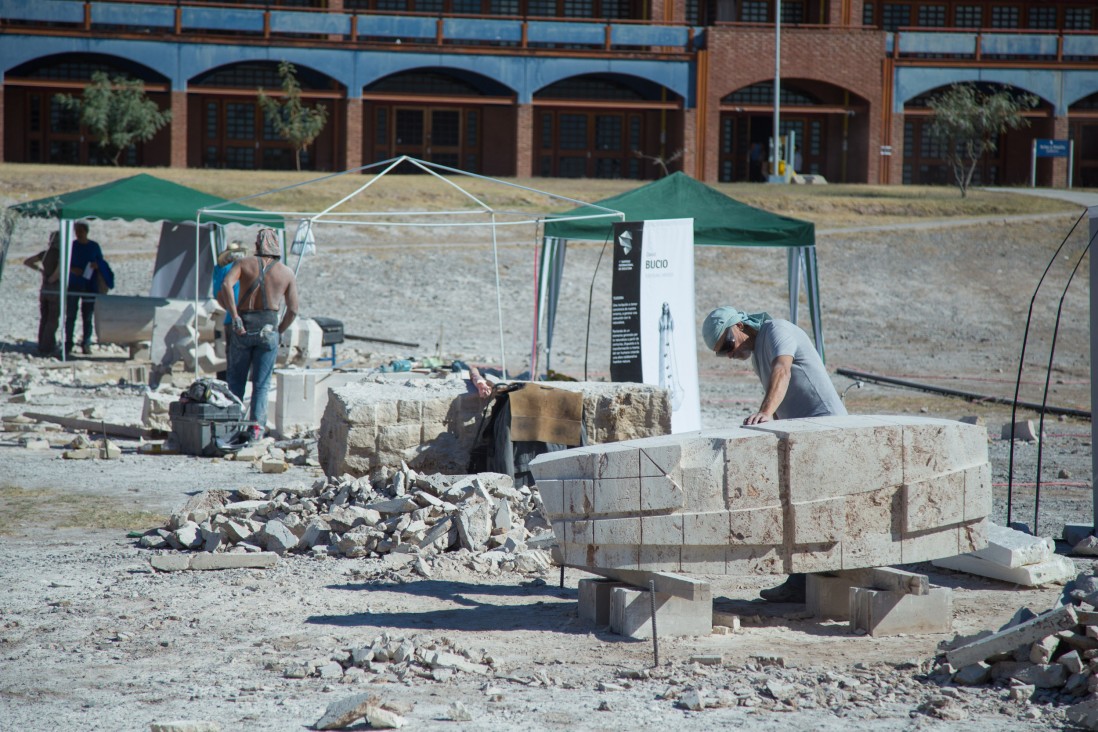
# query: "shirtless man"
264,284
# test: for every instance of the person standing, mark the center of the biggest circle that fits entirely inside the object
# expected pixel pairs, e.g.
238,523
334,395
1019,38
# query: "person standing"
89,274
791,373
265,283
225,262
49,300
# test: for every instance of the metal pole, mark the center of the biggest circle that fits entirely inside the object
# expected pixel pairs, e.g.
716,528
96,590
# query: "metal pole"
1092,213
1071,161
776,147
655,636
1033,164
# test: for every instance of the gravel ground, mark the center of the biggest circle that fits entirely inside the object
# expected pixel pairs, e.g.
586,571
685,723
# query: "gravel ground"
92,639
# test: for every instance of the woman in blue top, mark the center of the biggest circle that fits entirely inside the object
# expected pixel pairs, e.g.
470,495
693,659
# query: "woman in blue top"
89,274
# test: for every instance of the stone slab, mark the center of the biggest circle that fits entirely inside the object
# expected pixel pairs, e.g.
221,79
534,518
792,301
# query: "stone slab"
888,612
1056,569
631,614
1031,631
1013,549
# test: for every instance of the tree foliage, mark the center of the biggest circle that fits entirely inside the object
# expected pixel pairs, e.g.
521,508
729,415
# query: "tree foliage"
116,112
969,123
293,121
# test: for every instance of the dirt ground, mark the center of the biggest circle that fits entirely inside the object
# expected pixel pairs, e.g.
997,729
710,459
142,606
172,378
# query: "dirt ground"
93,639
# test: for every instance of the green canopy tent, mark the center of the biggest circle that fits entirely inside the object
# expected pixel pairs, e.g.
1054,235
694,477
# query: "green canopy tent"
718,221
139,197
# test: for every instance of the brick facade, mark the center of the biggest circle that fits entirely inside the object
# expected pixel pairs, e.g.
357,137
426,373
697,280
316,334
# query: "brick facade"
354,132
524,141
178,144
847,59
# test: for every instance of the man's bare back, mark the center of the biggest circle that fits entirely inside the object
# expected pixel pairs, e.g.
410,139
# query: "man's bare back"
278,281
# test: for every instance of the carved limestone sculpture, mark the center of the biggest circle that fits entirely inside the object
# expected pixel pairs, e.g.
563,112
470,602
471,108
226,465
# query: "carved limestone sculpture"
804,495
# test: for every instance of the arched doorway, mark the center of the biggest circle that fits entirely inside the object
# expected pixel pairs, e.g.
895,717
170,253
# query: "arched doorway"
39,129
228,128
829,124
441,115
1083,129
607,126
926,157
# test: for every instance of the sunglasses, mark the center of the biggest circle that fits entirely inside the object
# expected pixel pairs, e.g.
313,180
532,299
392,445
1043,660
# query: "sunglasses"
728,343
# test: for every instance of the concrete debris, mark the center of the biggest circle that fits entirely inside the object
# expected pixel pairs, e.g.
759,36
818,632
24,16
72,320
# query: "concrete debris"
206,560
482,520
458,713
184,725
342,713
1024,430
1063,618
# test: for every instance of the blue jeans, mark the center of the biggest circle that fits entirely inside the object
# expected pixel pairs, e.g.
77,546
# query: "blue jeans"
253,353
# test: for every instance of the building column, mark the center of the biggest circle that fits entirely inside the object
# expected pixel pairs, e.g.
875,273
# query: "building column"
524,141
179,130
1060,131
689,141
353,128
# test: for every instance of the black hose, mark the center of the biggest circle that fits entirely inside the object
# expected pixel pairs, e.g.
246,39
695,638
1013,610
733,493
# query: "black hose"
1048,378
590,300
1021,361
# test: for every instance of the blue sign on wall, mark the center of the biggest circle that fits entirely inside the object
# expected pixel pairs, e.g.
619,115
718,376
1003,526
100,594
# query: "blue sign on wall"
1052,148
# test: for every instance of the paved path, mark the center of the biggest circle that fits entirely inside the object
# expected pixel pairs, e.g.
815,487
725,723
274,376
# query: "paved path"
1083,198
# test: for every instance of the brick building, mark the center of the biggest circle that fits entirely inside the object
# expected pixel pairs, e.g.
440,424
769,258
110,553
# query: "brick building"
561,88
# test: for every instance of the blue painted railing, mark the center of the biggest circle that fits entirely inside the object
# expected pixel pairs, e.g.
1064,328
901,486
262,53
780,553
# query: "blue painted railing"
986,44
193,20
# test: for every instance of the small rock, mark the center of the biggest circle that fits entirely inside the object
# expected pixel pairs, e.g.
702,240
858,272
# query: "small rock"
381,718
331,670
692,699
458,713
344,712
973,675
768,660
1084,714
707,660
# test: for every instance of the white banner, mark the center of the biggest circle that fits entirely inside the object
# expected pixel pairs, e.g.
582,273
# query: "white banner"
652,324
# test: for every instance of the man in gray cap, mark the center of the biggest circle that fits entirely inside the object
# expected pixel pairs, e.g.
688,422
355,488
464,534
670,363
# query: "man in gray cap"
264,284
793,375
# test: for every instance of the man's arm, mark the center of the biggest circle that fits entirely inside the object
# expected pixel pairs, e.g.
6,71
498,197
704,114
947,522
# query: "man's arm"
780,371
291,306
34,261
225,297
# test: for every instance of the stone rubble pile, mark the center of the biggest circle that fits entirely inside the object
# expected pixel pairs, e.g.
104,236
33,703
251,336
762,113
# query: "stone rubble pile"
1049,658
391,658
405,515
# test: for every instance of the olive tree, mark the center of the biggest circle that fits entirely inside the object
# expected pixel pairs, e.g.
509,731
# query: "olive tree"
293,121
116,113
969,122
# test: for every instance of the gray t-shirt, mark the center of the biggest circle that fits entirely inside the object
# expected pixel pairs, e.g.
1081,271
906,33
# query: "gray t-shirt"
810,393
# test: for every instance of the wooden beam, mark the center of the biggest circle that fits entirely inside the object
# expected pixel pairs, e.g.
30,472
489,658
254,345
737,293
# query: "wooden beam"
95,427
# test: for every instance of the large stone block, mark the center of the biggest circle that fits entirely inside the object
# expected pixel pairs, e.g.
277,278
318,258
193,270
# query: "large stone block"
631,613
808,495
889,612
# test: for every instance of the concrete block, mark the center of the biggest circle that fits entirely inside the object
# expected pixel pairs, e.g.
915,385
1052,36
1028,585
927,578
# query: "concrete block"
828,596
1062,618
661,493
972,536
763,525
1056,569
886,612
929,545
171,562
1013,549
579,497
814,557
1024,430
616,496
873,528
705,559
706,529
665,530
594,600
612,556
552,497
620,460
253,560
819,522
977,492
750,560
623,531
751,470
933,503
934,447
631,615
660,558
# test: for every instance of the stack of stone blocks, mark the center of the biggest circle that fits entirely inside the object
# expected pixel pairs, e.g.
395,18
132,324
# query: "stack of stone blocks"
807,495
431,424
